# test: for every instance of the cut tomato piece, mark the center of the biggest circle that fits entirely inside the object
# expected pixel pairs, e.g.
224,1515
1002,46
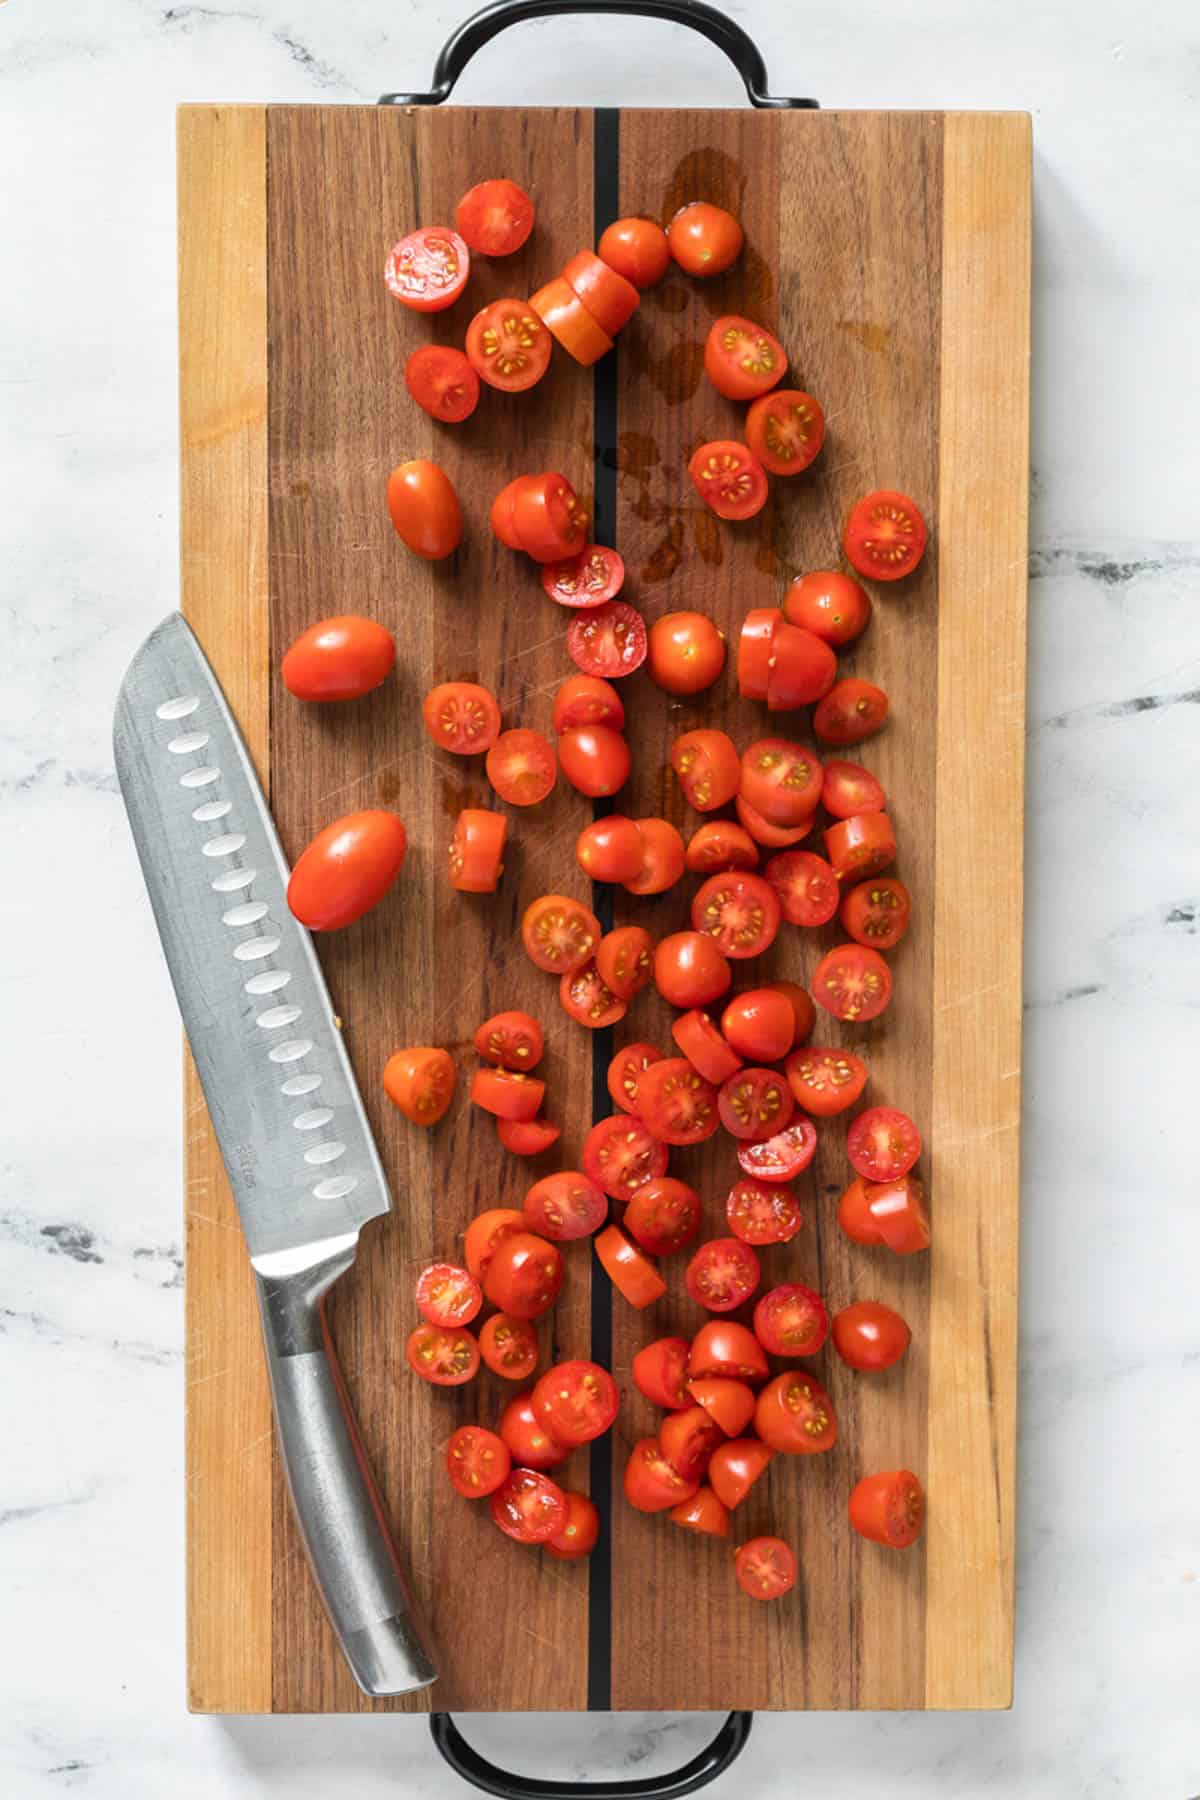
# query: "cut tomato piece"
848,789
897,1210
765,1568
637,249
529,1507
708,767
756,1104
502,515
611,300
548,520
781,780
421,1082
579,1535
804,1013
704,1047
795,1414
877,912
565,1206
589,579
595,759
477,1460
772,837
587,700
651,1484
508,346
703,1513
567,318
609,640
521,767
660,1372
620,1156
760,1024
761,1212
723,1348
448,1295
852,983
722,1274
495,217
625,960
754,651
826,1082
855,1216
831,604
507,1092
729,1403
869,1336
806,886
786,430
625,1071
446,1355
576,1401
803,668
559,933
860,846
509,1346
885,536
791,1320
485,1232
851,711
610,849
687,1439
664,1215
739,911
586,997
742,359
462,717
735,1467
882,1144
527,1137
676,1104
628,1268
729,479
524,1274
510,1040
889,1509
663,858
476,851
428,269
442,382
718,844
782,1157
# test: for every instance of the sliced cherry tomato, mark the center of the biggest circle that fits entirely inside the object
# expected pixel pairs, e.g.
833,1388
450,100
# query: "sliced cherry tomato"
852,983
595,759
765,1568
804,1013
637,249
651,1484
508,346
689,969
729,479
338,659
507,1092
548,521
620,1156
349,867
826,1082
759,1024
756,1104
420,1081
782,1157
521,767
502,518
735,1467
803,668
882,1144
559,934
586,700
833,606
509,1346
780,780
877,912
687,1440
424,509
896,1213
523,1275
791,1321
529,1507
609,640
795,1414
806,886
495,217
675,1103
527,1137
860,846
625,1071
719,844
855,1216
485,1232
576,1401
851,711
703,1513
579,1535
754,651
663,858
565,1206
786,430
708,767
610,849
625,960
630,1271
704,1047
478,1461
729,1403
704,239
611,300
772,837
742,359
660,1372
510,1040
723,1273
889,1509
739,911
448,1295
428,269
723,1348
686,652
761,1212
885,536
564,315
663,1216
589,579
585,995
476,850
442,382
446,1355
848,788
870,1336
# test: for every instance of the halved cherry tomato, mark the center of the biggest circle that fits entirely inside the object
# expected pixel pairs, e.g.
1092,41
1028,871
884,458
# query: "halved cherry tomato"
508,1093
521,767
804,1013
610,849
877,912
338,659
620,1156
754,651
708,767
851,711
704,239
597,574
476,850
662,858
722,1274
462,717
803,668
594,758
651,1484
509,1346
729,479
676,1104
565,1206
885,536
870,1336
495,217
704,1047
630,1271
723,1348
791,1320
780,780
485,1232
420,1081
729,1403
860,846
762,1212
529,1507
826,1082
689,969
855,1216
795,1414
442,382
686,652
687,1439
586,700
508,346
527,1137
502,520
848,788
548,520
589,1000
742,359
611,300
660,1372
735,1467
559,933
478,1461
625,1071
575,1401
446,1355
625,960
806,886
760,1024
852,983
523,1275
510,1040
448,1295
786,430
882,1144
428,269
637,249
739,911
781,1157
609,640
719,844
888,1212
756,1104
765,1568
579,1535
772,837
832,605
564,315
349,867
663,1215
703,1513
424,509
889,1509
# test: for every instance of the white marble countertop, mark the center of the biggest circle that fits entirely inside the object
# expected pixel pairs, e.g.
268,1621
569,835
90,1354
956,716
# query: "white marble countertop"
1108,1634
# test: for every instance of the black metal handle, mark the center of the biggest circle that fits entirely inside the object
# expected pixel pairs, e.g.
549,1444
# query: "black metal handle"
484,25
716,1757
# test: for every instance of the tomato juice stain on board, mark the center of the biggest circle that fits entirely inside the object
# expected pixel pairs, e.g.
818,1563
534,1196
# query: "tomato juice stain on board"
871,337
454,798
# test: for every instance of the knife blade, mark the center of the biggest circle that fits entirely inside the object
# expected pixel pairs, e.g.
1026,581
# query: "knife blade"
302,1163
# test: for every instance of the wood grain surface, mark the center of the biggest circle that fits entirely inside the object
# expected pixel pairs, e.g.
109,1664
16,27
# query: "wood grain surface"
891,254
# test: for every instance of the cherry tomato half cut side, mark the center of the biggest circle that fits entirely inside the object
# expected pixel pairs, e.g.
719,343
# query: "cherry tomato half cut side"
597,574
427,270
620,1155
722,1274
791,1320
609,641
742,359
729,479
765,1568
885,536
521,767
448,1295
477,1461
510,1040
876,912
853,983
495,217
476,850
443,383
786,430
889,1509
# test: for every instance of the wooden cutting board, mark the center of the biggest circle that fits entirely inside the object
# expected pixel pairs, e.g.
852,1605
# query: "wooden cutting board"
891,253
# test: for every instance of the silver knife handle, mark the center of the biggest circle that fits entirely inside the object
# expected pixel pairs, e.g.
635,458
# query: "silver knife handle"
337,1504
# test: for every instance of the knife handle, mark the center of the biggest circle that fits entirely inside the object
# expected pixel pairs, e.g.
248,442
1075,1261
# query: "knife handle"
337,1504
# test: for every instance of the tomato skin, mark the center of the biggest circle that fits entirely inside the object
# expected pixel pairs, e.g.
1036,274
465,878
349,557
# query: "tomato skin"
869,1336
687,1439
722,1274
704,1047
424,509
485,1232
660,1371
508,346
502,519
853,983
831,605
689,969
855,1216
795,1414
339,659
568,320
565,1206
651,1484
882,1144
686,652
848,789
885,536
765,1568
609,640
703,1513
889,1509
803,668
442,382
427,270
575,1401
637,249
876,913
508,1093
763,1213
704,239
527,1137
781,1157
420,1081
772,837
742,359
726,1350
851,711
595,759
860,846
756,1104
708,767
478,1461
446,1355
579,1535
760,1024
521,767
631,1273
529,1507
619,1155
780,780
804,1012
476,851
897,1211
494,218
806,886
347,869
509,1346
587,700
663,1216
625,960
595,575
610,849
729,1403
663,858
786,430
510,1040
624,1072
584,994
791,1320
735,1467
754,651
738,911
826,1082
447,1295
611,300
523,1275
718,844
547,518
559,934
675,1103
461,717
729,479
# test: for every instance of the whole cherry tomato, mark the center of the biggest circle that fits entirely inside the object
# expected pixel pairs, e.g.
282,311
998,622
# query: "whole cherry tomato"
523,1275
579,1535
610,849
424,509
689,969
594,758
760,1024
851,711
339,659
704,239
686,652
637,249
831,605
347,869
870,1336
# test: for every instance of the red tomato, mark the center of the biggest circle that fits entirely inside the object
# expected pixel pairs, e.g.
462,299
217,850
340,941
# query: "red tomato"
420,1081
754,651
609,640
855,1216
686,652
760,1024
729,479
594,758
509,1346
765,1568
676,1104
689,969
852,983
586,700
508,346
494,217
831,605
847,789
803,668
860,846
585,996
548,521
885,536
738,911
742,359
559,933
610,849
631,1273
625,960
620,1155
477,1460
485,1232
564,314
780,780
611,300
774,837
462,717
803,1011
826,1081
870,1336
663,1215
339,659
687,1439
882,1144
523,1275
756,1104
428,269
889,1509
347,869
424,508
806,886
637,249
442,382
565,1206
723,1348
651,1484
718,844
759,1212
507,1093
877,912
795,1414
589,579
704,239
502,519
722,1274
897,1214
575,1401
447,1295
510,1040
527,1137
730,1404
851,711
786,430
476,851
708,768
703,1513
625,1071
704,1047
529,1507
578,1536
446,1355
791,1321
736,1466
781,1157
521,767
662,858
660,1371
